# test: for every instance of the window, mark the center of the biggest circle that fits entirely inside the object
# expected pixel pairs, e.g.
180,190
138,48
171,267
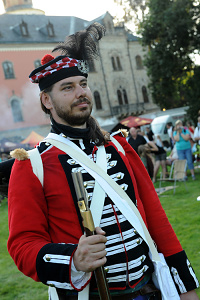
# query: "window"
145,94
16,110
37,63
139,63
122,96
116,64
50,29
91,66
24,29
8,70
97,100
113,63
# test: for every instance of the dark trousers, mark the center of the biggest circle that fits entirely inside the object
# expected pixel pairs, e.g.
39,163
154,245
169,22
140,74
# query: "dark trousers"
148,292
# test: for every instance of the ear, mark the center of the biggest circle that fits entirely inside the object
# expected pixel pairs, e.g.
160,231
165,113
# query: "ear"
46,100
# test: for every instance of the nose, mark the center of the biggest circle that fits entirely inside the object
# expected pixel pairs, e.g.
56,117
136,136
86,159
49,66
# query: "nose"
80,92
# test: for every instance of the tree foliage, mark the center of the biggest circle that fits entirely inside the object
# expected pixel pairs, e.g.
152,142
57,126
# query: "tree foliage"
171,31
133,11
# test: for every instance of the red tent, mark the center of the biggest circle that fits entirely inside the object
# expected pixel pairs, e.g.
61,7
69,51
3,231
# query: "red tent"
135,121
33,139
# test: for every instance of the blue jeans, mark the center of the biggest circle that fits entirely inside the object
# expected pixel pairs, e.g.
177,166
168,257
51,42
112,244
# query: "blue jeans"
186,154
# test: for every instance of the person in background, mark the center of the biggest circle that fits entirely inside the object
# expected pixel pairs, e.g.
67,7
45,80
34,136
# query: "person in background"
149,133
183,146
170,133
160,158
191,129
135,139
172,157
144,154
197,132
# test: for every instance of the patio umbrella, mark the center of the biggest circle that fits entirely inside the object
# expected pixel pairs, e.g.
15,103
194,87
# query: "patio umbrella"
135,121
33,139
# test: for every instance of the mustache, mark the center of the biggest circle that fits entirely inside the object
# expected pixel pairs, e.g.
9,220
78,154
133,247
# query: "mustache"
79,101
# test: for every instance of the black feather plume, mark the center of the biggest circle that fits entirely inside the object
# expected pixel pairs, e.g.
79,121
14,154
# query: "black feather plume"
83,44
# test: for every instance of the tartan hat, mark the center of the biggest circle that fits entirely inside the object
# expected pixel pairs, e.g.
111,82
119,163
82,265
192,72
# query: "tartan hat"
56,69
76,52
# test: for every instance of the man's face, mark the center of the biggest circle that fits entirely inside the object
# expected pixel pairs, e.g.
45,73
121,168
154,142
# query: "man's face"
70,101
133,132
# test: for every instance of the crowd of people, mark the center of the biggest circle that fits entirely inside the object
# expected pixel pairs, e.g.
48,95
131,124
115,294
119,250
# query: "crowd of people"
184,143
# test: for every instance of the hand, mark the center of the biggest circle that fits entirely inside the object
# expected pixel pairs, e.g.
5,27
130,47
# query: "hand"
90,253
189,296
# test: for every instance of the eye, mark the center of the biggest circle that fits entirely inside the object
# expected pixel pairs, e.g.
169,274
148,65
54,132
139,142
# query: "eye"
84,84
67,88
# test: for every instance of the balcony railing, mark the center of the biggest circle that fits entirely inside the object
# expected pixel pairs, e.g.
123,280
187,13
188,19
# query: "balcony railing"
127,109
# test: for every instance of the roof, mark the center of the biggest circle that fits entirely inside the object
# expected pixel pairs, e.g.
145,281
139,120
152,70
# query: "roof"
10,31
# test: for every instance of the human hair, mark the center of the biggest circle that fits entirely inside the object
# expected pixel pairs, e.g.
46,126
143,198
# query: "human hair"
48,91
97,134
178,122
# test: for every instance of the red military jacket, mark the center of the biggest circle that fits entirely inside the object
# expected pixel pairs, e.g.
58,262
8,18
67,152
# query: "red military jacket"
45,226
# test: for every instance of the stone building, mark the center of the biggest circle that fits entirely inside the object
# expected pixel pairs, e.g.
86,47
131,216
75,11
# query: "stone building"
118,80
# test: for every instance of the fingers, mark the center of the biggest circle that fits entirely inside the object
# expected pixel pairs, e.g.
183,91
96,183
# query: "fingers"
90,253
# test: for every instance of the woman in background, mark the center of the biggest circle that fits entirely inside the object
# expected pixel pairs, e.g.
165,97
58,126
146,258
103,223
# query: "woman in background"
183,146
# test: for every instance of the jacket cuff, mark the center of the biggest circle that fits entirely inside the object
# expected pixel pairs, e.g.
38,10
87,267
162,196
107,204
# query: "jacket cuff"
53,265
182,272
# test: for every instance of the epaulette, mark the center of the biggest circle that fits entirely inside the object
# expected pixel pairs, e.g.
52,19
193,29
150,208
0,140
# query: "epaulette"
122,132
19,154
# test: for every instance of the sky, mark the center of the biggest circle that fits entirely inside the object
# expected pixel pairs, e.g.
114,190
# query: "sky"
84,9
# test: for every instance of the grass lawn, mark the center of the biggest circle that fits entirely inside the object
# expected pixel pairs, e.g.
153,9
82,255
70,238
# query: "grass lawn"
182,209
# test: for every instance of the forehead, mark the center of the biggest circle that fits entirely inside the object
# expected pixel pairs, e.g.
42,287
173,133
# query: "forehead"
73,79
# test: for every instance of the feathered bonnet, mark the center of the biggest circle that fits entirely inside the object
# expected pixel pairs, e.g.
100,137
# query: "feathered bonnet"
76,52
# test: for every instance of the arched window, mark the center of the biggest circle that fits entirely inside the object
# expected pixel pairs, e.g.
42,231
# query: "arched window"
97,100
118,63
122,96
37,63
125,96
139,63
119,96
145,94
113,63
8,69
16,110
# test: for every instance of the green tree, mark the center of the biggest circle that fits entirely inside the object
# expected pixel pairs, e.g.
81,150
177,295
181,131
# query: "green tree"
171,31
192,91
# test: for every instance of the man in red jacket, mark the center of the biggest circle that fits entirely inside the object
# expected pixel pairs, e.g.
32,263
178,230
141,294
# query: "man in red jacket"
46,237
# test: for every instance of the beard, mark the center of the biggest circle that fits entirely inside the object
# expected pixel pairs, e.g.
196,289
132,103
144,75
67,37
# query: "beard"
74,118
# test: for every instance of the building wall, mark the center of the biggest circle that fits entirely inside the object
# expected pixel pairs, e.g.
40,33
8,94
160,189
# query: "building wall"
20,88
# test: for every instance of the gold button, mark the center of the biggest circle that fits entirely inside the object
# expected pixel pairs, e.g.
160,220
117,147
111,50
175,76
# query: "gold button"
142,259
135,231
73,162
123,187
106,270
138,241
85,184
119,176
48,258
89,197
143,269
